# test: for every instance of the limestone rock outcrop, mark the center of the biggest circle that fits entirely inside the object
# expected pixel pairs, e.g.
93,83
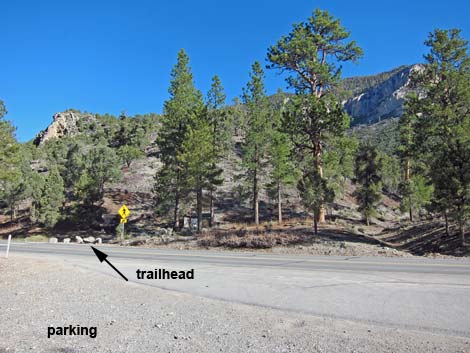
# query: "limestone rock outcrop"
382,101
64,124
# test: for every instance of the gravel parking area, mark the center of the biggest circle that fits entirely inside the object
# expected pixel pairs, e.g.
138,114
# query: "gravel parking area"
129,317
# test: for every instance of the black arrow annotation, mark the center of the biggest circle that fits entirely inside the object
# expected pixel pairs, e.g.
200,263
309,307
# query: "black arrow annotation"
103,257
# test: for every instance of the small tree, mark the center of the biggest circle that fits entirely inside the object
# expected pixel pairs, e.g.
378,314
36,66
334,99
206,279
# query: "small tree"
367,171
128,154
50,199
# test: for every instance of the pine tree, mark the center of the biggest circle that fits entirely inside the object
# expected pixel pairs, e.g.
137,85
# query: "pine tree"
219,121
180,112
128,154
101,166
198,159
312,52
441,123
50,199
256,134
283,170
367,171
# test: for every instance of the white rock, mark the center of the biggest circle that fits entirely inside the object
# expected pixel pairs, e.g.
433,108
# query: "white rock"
89,240
98,241
79,239
53,240
66,240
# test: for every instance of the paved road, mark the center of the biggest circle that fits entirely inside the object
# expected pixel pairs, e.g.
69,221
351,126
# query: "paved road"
412,293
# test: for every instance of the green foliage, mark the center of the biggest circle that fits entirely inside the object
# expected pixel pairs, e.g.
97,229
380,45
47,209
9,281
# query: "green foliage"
181,111
101,165
312,122
9,153
368,170
283,169
314,192
218,118
390,172
416,193
198,158
19,187
128,153
48,199
257,132
339,162
3,110
312,51
437,122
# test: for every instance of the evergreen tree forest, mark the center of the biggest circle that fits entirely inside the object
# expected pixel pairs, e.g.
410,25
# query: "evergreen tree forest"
295,145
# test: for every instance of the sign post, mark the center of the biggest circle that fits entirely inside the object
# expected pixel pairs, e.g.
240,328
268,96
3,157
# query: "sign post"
8,246
124,213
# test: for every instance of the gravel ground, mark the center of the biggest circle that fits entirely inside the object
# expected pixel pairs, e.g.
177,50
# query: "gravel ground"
137,318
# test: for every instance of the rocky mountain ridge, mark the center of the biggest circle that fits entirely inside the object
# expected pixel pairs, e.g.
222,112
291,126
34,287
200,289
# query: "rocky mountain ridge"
381,101
374,98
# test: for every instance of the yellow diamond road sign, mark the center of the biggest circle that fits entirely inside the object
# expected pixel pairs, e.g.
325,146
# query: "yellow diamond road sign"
124,211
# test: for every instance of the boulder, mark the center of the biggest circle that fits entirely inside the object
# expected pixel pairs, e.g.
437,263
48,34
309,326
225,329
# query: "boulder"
98,241
79,239
53,240
89,240
66,240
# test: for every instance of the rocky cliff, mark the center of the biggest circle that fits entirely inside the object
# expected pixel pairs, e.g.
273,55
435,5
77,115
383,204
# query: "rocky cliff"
64,124
381,100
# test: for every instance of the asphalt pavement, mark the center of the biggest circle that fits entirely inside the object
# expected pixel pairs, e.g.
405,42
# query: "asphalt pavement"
431,295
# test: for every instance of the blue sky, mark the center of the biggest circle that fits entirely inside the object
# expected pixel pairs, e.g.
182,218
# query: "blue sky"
112,56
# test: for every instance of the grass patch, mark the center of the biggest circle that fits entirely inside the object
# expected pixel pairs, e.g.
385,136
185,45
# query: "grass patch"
37,238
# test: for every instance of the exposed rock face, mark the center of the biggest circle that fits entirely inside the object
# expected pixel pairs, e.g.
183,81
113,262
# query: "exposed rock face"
64,124
382,101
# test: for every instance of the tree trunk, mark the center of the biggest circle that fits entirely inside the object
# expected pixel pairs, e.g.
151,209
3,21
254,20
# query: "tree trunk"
410,211
211,208
407,180
462,232
199,209
256,197
176,216
279,204
315,222
447,223
319,167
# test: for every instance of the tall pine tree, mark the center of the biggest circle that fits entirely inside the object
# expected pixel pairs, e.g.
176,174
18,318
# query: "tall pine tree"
257,132
313,52
219,122
180,112
442,122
